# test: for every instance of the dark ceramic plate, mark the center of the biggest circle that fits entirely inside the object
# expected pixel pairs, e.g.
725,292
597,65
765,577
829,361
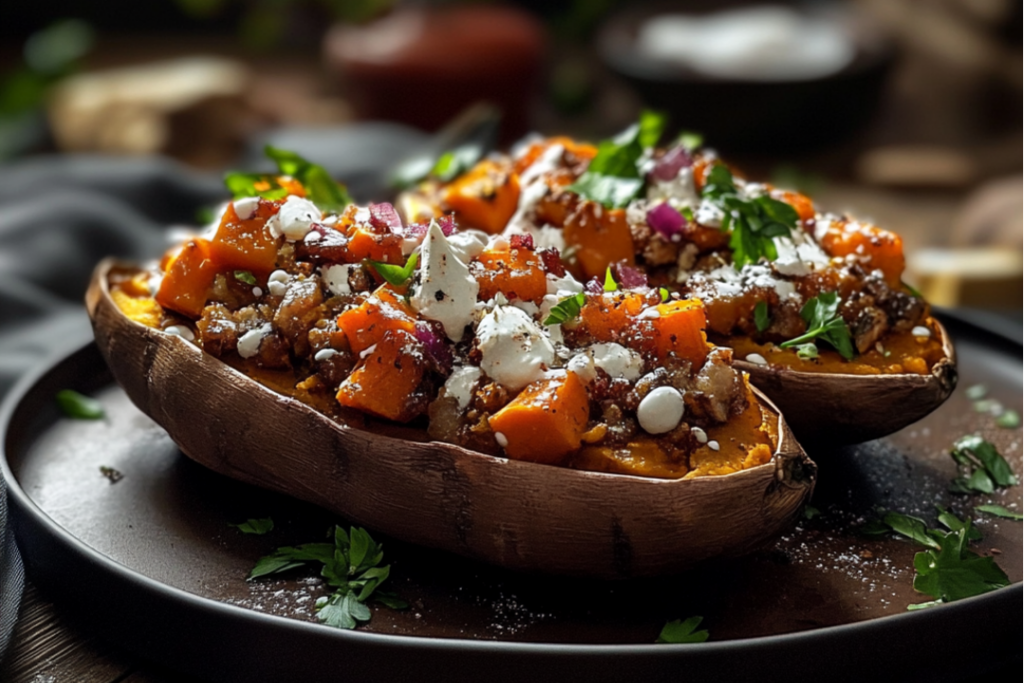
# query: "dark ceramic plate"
151,562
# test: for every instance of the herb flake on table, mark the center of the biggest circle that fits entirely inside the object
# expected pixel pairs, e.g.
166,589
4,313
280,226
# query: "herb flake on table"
821,313
1009,420
256,527
351,565
982,467
999,511
79,406
113,475
683,631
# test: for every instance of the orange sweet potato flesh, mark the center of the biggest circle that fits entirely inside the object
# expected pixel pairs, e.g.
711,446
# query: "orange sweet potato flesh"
599,237
366,324
246,244
883,249
382,384
609,317
516,273
546,421
188,278
484,198
679,331
580,150
364,243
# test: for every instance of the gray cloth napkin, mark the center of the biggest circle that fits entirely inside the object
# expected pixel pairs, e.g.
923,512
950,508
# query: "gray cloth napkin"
60,215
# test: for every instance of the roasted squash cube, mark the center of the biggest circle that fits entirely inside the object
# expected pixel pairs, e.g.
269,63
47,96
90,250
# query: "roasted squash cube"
516,273
246,244
485,197
679,330
384,383
545,422
883,250
367,323
599,237
186,283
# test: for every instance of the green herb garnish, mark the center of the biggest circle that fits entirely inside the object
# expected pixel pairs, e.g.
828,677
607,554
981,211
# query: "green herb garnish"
808,351
321,188
664,293
612,178
811,512
455,162
824,323
610,285
246,277
914,291
79,406
947,569
396,275
753,223
761,318
1009,420
982,466
691,140
677,631
999,511
976,392
566,309
256,527
351,565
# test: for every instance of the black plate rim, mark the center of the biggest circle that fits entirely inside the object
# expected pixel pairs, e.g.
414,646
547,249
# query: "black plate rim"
27,516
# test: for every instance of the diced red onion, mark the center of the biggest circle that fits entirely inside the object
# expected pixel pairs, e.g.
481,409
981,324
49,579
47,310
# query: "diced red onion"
629,277
447,223
384,217
666,221
594,286
552,261
434,345
521,242
668,166
416,229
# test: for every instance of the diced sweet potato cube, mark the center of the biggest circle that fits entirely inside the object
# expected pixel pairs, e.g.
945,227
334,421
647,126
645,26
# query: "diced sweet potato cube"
246,244
516,273
580,150
545,422
484,198
882,249
367,323
186,284
387,378
363,243
679,330
599,236
609,317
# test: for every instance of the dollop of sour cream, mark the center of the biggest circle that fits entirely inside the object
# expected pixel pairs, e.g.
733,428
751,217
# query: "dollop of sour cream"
661,410
294,219
515,351
447,291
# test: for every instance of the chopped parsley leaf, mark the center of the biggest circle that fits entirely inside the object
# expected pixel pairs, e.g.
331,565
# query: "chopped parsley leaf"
677,631
396,275
824,323
566,309
256,527
983,467
79,406
761,318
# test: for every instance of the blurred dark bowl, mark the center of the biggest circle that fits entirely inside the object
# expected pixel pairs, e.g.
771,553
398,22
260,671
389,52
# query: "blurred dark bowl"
755,116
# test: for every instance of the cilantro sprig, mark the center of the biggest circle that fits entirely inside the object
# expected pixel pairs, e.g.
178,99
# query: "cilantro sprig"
256,527
824,323
751,222
947,569
321,188
982,467
566,309
685,631
762,320
351,565
394,274
612,178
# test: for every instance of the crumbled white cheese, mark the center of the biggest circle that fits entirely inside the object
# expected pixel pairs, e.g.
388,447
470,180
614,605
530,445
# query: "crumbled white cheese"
554,333
680,192
362,214
180,331
713,445
257,292
501,439
447,291
756,359
245,208
312,237
708,213
461,383
583,365
294,219
617,360
277,283
798,255
650,313
336,277
660,410
921,331
249,343
563,286
324,354
515,351
699,434
467,244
